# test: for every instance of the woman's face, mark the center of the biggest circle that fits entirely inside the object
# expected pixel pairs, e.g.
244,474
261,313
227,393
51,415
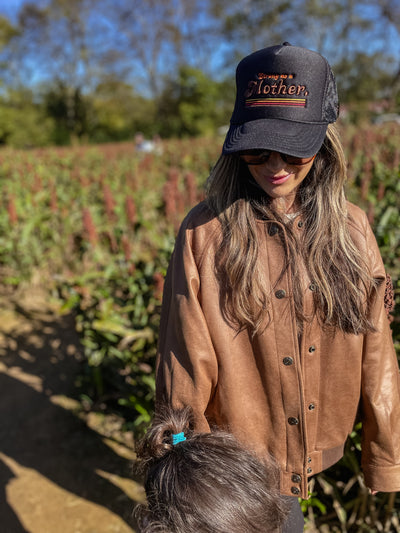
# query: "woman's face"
279,179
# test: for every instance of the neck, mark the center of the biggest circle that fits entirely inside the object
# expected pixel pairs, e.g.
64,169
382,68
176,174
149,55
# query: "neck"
285,205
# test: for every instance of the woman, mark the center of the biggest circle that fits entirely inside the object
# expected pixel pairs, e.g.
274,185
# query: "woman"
273,321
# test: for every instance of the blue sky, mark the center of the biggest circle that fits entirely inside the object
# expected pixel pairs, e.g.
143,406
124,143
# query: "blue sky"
383,38
10,7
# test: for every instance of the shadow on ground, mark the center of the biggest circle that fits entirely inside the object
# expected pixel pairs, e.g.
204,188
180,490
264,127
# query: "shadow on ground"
46,445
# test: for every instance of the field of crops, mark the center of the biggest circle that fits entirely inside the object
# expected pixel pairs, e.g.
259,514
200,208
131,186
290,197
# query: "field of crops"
95,225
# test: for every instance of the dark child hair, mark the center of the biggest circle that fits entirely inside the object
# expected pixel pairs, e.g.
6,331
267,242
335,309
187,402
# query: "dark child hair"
206,482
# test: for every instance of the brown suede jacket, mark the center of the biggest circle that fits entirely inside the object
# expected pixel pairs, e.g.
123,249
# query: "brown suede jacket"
298,403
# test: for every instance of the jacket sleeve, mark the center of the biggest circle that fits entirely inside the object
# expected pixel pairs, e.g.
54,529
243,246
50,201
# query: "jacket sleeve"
186,369
380,394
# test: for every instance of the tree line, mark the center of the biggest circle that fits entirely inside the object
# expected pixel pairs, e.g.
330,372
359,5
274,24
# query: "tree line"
102,70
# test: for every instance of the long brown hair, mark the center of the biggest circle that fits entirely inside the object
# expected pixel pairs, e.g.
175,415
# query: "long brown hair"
206,484
334,263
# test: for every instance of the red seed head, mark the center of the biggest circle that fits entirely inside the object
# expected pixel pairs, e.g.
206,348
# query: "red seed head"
109,202
130,210
89,227
12,210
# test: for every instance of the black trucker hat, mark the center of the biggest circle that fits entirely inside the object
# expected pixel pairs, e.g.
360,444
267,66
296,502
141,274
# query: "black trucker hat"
285,98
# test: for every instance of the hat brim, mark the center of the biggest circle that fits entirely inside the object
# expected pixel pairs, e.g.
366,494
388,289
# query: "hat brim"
293,138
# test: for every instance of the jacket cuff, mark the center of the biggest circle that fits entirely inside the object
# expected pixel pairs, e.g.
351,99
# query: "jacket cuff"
382,478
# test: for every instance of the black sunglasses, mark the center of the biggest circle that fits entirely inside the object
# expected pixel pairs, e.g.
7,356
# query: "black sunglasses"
259,157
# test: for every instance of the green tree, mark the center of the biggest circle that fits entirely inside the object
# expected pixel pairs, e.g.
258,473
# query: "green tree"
252,24
161,36
390,10
7,33
79,57
192,105
56,46
23,123
70,111
118,112
352,34
364,78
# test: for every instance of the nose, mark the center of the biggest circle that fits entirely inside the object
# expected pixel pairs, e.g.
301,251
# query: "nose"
275,161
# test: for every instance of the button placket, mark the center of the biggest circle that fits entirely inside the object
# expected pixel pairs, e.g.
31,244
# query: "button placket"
286,342
311,349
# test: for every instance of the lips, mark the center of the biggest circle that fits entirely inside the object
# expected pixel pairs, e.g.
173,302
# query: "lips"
277,180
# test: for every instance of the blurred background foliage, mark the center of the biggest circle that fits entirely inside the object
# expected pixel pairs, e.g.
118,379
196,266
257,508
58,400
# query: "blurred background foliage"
101,70
95,226
90,215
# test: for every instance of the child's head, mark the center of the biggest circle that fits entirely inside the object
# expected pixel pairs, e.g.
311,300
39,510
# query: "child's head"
206,483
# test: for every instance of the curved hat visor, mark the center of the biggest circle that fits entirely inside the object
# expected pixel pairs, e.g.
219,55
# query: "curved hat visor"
293,138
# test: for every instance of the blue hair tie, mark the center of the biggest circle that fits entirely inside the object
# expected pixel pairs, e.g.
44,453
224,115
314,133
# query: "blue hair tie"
178,437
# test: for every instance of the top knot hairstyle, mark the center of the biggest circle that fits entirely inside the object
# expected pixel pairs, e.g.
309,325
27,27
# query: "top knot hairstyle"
206,483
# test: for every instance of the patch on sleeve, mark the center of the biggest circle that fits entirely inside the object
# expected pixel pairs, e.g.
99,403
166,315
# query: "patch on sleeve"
389,297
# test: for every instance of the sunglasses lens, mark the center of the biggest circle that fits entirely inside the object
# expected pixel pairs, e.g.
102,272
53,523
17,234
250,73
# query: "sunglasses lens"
259,157
292,160
296,161
255,157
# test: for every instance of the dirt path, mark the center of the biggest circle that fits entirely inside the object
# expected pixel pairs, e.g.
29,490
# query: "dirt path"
60,471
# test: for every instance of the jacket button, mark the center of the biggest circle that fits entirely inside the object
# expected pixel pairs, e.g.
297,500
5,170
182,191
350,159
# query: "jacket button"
280,294
312,287
295,490
273,230
300,224
309,470
311,407
312,349
308,459
296,478
293,421
287,361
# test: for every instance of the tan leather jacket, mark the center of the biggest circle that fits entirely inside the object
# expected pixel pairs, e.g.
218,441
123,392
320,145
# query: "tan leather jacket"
299,403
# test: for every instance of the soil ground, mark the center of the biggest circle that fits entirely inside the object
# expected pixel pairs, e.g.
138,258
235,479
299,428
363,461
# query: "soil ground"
61,470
